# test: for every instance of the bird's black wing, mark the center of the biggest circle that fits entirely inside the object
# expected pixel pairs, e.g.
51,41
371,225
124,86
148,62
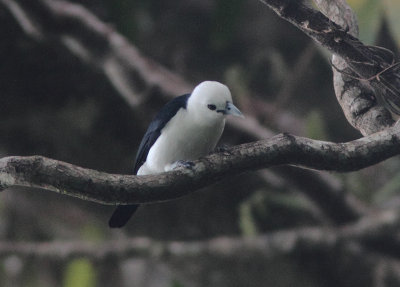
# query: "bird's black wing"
155,127
123,213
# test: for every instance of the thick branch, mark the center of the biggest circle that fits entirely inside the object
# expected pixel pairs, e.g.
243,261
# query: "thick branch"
355,97
283,149
365,62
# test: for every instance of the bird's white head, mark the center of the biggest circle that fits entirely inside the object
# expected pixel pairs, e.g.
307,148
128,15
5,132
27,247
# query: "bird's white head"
211,101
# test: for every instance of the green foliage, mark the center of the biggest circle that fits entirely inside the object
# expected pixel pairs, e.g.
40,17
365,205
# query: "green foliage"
267,210
80,273
315,126
226,19
359,184
392,12
176,283
370,14
247,223
389,190
236,79
93,232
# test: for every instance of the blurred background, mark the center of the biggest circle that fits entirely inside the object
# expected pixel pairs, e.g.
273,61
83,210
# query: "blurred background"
55,104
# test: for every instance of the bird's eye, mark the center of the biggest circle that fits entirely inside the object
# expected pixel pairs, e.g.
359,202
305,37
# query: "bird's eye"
212,107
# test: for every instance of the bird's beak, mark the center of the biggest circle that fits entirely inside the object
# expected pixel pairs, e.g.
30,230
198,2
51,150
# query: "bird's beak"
230,109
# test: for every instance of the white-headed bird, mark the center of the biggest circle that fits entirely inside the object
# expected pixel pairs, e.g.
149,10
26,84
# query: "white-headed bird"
186,128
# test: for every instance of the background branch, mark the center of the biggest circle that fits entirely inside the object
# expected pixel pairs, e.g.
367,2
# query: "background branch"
373,228
84,35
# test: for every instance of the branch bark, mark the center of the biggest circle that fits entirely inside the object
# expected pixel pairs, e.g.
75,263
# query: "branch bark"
356,97
374,68
64,178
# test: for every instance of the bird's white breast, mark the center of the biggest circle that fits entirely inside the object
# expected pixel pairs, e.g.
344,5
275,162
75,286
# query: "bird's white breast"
183,138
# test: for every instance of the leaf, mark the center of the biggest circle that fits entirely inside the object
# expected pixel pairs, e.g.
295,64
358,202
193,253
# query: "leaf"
79,273
392,12
369,17
92,232
389,190
247,222
315,126
176,283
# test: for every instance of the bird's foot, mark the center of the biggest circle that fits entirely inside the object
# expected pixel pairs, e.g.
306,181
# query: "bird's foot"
183,163
221,149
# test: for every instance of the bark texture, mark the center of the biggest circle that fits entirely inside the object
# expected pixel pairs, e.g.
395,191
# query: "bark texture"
282,149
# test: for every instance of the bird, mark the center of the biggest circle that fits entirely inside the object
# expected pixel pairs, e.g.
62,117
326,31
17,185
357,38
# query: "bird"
186,128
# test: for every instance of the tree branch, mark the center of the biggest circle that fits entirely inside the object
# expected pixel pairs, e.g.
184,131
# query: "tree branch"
373,67
64,178
303,240
355,97
85,36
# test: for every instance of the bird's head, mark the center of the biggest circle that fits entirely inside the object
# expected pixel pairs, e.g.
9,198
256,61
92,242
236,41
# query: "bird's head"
212,101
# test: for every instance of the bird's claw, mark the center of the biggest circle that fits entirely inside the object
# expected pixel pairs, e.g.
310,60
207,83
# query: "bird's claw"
184,164
221,148
225,149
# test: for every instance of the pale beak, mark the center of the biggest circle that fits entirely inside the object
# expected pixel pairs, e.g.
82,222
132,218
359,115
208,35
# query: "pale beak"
230,109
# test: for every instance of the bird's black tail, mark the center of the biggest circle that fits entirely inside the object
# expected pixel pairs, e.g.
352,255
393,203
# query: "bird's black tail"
121,215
